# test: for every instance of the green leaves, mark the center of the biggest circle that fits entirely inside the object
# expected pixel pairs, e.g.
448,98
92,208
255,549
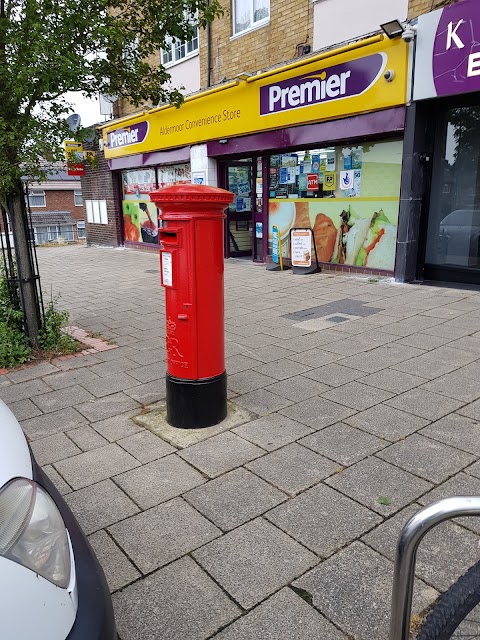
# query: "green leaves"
50,47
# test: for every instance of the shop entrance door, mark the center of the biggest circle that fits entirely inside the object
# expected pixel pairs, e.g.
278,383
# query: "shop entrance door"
238,178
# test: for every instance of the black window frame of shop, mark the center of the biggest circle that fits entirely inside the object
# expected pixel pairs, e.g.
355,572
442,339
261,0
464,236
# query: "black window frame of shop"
430,130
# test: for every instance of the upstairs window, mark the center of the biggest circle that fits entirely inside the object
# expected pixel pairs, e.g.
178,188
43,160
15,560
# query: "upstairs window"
36,198
248,14
77,198
178,49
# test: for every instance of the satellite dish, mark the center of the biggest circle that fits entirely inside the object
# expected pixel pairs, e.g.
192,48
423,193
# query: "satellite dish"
73,122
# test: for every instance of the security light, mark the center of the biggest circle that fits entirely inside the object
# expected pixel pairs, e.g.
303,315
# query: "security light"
392,29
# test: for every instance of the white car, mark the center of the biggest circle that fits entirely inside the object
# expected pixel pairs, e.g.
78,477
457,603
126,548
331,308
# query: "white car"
51,584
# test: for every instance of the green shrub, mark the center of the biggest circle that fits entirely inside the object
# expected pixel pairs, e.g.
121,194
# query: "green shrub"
51,336
14,346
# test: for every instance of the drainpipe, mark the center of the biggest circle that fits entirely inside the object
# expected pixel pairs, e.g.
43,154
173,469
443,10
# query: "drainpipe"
209,53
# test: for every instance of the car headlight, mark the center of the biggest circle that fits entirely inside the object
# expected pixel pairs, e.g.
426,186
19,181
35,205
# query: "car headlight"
32,531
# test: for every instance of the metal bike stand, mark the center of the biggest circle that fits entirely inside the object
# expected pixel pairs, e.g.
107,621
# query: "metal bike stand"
405,557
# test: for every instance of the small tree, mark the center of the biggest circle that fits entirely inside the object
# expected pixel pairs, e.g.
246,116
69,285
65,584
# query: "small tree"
49,47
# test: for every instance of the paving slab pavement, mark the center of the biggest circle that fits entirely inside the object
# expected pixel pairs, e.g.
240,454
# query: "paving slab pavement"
365,404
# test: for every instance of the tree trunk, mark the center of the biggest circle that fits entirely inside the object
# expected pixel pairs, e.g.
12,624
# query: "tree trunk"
25,270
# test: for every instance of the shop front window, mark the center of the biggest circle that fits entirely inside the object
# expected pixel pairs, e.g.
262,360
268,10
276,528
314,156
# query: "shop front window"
348,195
453,233
140,215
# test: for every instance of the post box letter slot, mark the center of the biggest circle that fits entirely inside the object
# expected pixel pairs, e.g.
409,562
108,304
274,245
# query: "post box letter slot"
169,238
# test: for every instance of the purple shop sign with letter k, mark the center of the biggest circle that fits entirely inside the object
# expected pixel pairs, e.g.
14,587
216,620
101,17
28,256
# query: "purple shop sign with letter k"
456,52
323,85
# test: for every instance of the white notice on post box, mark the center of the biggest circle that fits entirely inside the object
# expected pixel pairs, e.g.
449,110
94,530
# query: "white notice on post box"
301,243
166,269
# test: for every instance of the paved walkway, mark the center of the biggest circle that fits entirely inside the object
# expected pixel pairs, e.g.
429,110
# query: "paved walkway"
364,407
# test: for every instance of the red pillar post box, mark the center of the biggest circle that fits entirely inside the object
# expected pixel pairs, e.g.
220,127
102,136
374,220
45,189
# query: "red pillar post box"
191,267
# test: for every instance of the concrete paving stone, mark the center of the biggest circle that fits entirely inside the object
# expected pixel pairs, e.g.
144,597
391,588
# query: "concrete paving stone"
246,381
437,362
119,571
232,347
80,361
24,409
378,485
62,398
148,373
53,448
469,344
353,590
426,458
386,422
357,396
382,357
393,381
158,536
424,341
86,438
120,365
461,484
50,423
104,386
323,519
254,561
23,390
463,384
148,393
297,388
411,325
191,605
334,374
272,432
92,466
220,453
282,369
106,407
449,330
316,357
293,468
100,505
234,498
151,356
38,370
146,446
159,481
317,412
423,403
62,487
457,431
344,444
64,379
269,353
117,427
284,615
262,402
238,363
444,554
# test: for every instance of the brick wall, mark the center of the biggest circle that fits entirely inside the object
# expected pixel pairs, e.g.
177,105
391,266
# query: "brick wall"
417,7
99,183
291,24
62,201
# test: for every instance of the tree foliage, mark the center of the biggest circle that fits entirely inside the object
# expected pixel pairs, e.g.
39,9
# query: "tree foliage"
50,47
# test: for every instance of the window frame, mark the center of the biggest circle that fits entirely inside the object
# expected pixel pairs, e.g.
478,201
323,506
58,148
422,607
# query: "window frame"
81,228
36,193
253,24
76,193
180,45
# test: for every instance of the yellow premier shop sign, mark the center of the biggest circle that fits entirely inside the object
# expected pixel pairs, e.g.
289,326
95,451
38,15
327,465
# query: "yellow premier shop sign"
331,85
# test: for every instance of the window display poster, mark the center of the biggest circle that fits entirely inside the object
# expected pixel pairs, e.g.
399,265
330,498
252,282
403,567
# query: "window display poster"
302,182
359,231
174,174
140,221
315,164
137,183
283,175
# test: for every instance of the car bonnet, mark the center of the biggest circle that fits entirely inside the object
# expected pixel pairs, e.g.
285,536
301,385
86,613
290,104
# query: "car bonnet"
15,458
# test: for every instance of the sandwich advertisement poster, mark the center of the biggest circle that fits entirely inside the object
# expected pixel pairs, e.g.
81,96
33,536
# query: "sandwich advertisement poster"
354,219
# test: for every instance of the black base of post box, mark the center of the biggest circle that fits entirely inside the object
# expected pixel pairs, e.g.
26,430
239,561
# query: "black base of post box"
196,404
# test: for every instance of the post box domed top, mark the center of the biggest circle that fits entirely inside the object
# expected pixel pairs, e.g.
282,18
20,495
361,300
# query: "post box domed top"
184,193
